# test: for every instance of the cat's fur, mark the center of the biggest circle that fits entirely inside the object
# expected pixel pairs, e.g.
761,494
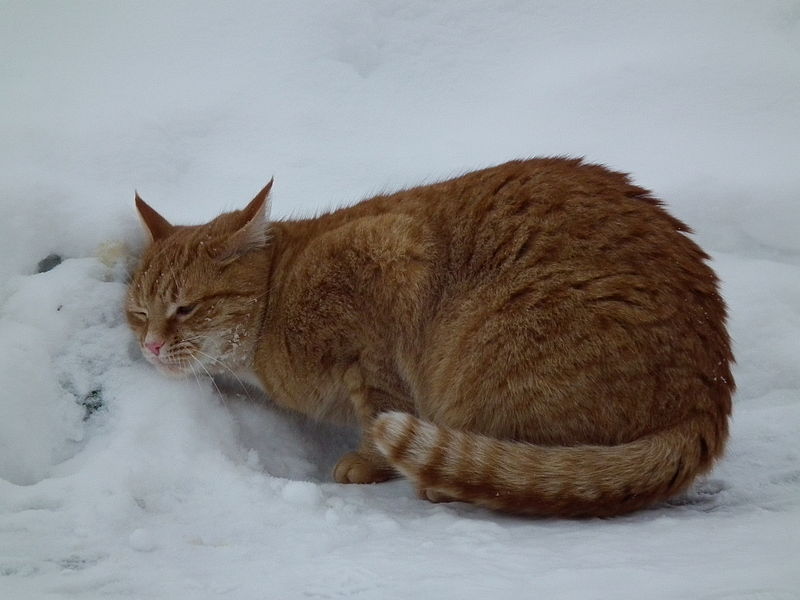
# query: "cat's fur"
538,337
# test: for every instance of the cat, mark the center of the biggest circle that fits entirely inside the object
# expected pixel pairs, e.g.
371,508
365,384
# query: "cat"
540,337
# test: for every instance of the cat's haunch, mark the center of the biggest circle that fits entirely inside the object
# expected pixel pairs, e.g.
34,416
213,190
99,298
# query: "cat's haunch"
539,337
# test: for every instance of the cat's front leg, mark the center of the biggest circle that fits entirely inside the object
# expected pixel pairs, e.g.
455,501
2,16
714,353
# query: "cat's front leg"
367,464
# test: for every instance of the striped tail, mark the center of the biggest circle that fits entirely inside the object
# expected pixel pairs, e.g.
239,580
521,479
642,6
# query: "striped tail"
569,481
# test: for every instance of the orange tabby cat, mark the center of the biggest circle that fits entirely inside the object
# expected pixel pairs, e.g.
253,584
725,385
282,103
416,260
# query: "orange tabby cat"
539,337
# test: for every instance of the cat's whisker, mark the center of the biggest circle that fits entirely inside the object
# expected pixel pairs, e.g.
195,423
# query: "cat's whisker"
179,349
214,383
196,377
231,371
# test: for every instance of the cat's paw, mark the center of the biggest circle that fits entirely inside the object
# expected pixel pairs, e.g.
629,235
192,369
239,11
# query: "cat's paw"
432,495
355,468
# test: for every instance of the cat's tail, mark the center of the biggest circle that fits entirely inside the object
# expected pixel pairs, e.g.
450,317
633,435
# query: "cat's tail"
569,481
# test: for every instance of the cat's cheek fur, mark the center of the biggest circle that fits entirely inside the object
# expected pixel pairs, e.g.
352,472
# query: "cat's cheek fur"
227,347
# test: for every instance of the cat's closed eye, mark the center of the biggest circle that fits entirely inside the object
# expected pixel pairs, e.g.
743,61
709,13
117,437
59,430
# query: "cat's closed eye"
140,315
186,310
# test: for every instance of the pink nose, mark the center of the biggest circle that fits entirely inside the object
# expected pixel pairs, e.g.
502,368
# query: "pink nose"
154,347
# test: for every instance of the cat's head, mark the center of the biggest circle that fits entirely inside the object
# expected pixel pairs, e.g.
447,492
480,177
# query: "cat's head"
196,299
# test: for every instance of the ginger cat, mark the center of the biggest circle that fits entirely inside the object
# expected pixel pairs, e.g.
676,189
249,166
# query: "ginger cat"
539,337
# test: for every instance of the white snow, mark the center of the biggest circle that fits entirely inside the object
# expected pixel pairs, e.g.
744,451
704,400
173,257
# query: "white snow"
171,490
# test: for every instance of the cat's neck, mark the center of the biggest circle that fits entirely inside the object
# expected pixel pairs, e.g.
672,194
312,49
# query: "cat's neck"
271,265
259,266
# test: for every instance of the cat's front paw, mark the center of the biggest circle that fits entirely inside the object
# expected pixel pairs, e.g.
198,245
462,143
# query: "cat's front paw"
356,468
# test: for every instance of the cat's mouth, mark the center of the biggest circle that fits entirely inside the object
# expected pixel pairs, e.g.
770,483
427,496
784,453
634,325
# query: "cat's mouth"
168,365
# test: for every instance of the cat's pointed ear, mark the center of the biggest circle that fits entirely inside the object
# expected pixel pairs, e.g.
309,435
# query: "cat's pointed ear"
259,207
252,232
157,226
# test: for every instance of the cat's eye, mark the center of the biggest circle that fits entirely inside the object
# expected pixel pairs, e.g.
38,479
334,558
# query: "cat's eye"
186,310
138,314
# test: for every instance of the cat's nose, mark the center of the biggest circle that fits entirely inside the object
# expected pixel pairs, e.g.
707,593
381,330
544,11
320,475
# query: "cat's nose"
154,347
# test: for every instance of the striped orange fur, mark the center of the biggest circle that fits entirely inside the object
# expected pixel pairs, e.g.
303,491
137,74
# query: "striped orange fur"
539,337
572,481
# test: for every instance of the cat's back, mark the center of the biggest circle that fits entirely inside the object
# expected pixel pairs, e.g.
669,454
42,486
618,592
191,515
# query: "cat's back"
493,217
543,211
551,229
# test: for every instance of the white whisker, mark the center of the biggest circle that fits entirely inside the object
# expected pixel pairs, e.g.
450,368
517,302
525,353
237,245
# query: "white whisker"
231,371
196,377
214,383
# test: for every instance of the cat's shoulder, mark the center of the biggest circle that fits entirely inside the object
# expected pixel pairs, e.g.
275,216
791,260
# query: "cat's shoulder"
366,240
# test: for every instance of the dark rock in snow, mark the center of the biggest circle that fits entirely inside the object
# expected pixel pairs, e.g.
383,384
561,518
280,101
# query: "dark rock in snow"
51,261
92,402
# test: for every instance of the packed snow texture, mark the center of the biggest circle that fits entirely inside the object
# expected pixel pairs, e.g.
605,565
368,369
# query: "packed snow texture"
116,482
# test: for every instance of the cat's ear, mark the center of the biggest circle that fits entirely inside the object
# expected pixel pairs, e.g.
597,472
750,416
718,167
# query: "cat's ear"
259,207
157,226
252,232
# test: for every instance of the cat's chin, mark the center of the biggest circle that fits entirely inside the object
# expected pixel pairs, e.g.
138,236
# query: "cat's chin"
170,370
173,371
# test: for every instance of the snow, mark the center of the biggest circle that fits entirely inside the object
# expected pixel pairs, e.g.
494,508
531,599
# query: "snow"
116,482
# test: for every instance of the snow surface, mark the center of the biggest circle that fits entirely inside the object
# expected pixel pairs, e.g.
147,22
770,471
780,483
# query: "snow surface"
173,489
